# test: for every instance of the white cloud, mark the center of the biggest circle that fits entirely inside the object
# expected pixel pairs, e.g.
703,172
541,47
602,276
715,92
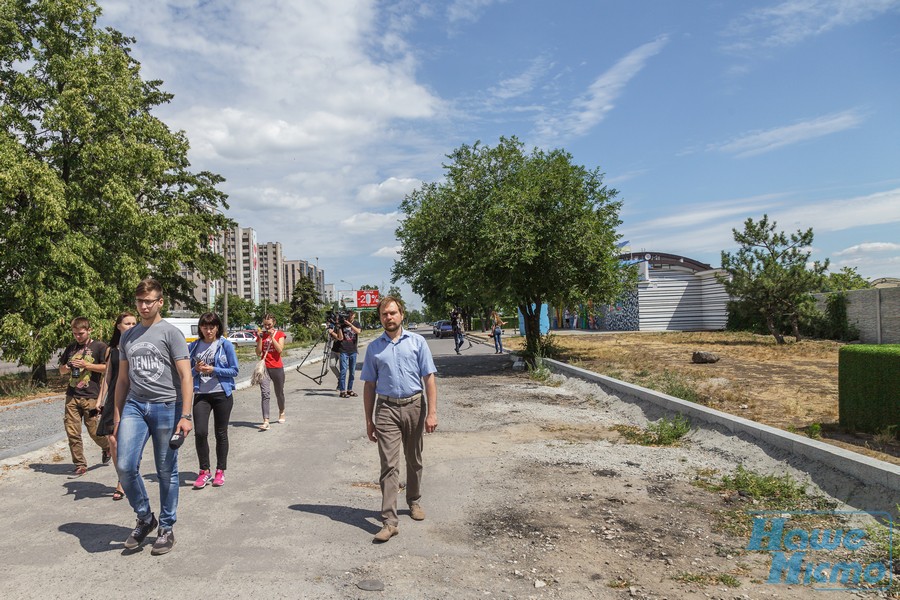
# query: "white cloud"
590,109
369,222
793,21
391,191
468,10
760,142
868,248
524,82
388,252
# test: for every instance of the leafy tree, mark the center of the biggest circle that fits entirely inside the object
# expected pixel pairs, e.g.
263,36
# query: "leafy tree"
96,192
770,274
845,280
280,310
305,310
506,227
241,312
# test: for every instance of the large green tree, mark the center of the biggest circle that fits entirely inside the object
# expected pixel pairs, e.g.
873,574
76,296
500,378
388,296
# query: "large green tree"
770,275
506,227
96,192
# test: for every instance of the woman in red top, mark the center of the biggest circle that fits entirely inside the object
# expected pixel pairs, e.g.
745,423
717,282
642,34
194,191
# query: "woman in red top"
269,346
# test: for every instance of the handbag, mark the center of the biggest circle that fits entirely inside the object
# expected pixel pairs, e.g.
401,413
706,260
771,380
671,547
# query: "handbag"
259,373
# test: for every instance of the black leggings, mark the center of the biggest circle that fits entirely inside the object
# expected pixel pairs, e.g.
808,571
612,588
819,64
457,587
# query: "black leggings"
221,406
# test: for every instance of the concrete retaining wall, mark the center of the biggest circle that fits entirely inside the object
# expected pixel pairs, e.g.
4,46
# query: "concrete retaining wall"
865,469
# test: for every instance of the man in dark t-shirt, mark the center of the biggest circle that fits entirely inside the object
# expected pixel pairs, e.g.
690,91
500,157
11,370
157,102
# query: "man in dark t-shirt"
84,361
349,335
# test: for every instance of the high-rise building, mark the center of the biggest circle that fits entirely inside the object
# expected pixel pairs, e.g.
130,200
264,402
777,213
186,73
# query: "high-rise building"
271,273
295,269
242,263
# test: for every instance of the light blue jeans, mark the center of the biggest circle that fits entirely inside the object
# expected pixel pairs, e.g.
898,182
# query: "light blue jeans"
348,363
141,421
498,345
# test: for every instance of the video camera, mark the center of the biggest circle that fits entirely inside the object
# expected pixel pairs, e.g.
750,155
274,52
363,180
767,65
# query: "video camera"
338,317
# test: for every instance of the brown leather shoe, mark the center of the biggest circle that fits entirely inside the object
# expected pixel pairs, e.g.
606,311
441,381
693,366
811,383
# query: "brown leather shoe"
416,512
386,533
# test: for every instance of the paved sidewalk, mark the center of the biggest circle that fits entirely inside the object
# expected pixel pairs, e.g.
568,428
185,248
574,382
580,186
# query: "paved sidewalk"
303,493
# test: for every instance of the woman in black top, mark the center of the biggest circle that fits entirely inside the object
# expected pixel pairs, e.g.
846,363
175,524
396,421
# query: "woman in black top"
124,322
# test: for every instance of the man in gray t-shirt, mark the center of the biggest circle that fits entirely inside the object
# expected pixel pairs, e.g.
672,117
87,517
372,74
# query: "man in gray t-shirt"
150,352
154,396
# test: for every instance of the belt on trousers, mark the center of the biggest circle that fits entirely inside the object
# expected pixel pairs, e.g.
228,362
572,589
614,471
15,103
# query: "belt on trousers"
400,401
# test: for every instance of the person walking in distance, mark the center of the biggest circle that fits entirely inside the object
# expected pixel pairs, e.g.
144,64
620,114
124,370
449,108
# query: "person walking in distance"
496,331
398,367
269,346
84,362
108,414
153,389
456,322
215,365
348,330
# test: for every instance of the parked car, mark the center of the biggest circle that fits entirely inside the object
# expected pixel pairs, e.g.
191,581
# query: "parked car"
242,338
442,328
412,326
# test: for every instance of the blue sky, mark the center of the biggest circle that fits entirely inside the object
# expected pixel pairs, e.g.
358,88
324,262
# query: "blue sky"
323,114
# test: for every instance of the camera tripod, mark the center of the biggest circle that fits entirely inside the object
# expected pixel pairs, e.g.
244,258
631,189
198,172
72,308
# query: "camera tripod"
318,378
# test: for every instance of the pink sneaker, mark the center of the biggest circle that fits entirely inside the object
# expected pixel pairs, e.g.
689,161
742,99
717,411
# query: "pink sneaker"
202,479
219,479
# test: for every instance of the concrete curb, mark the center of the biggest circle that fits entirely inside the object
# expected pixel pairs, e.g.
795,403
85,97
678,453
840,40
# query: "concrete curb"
866,469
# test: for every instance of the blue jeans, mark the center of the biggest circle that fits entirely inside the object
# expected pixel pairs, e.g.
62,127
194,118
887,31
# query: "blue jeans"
348,363
140,421
458,337
498,345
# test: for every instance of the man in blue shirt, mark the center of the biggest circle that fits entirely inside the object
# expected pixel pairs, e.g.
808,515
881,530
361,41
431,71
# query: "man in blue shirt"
397,368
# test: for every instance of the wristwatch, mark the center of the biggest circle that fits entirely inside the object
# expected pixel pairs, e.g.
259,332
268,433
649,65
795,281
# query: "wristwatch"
188,417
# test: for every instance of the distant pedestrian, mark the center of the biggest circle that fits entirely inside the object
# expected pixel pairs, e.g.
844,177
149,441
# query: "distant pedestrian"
566,317
153,397
348,330
215,365
496,331
108,414
397,368
456,323
269,346
84,361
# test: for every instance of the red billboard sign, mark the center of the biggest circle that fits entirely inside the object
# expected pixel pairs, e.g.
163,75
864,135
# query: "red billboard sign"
366,298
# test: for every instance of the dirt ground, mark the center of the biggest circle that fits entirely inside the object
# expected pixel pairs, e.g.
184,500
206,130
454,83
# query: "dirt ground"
530,491
793,387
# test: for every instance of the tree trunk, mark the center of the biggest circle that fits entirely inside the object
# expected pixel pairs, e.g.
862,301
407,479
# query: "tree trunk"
795,327
39,374
532,332
770,323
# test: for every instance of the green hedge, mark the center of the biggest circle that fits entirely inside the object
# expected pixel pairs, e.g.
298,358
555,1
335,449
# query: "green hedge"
869,387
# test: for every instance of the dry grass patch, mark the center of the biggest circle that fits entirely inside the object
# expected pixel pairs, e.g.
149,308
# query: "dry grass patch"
791,386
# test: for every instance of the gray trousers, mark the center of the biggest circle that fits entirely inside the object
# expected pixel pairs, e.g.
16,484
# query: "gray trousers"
277,377
396,427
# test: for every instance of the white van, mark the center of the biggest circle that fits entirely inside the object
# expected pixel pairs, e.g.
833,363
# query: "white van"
187,326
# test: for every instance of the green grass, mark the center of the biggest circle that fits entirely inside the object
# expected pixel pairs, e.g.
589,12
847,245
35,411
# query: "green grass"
665,432
709,579
749,491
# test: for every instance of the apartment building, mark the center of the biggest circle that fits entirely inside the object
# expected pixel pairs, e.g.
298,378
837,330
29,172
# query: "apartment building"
272,286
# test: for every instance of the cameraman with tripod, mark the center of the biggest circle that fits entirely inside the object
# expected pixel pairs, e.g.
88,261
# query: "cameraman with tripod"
334,342
348,331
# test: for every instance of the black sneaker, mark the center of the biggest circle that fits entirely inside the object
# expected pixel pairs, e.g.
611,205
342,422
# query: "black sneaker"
164,541
140,532
104,458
